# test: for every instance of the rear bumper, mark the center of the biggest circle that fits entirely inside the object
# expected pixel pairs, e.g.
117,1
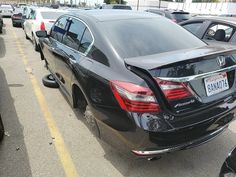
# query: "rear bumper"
142,135
183,146
6,14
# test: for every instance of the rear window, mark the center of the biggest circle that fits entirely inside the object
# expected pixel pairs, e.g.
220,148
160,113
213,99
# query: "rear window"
51,15
122,7
180,16
140,37
6,7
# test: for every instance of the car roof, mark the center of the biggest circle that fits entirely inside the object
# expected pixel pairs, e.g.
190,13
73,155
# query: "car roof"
109,15
216,18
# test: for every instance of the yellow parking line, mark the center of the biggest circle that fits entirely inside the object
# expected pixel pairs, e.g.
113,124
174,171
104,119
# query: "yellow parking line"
59,143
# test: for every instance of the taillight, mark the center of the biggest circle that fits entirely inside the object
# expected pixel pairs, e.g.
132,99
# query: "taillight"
42,26
174,90
134,98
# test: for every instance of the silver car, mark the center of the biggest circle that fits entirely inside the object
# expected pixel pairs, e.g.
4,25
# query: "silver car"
6,10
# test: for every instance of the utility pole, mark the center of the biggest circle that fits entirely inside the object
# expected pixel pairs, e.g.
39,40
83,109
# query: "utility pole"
159,4
138,5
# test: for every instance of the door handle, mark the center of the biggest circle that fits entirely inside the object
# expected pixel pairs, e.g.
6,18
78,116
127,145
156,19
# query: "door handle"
72,61
53,49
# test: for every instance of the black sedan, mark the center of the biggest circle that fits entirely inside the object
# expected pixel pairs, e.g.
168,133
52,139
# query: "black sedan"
212,28
142,82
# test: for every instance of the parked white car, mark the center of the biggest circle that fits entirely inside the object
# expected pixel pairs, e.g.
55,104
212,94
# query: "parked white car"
40,19
6,10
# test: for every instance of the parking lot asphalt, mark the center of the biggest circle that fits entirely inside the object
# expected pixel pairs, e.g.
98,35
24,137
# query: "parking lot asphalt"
45,137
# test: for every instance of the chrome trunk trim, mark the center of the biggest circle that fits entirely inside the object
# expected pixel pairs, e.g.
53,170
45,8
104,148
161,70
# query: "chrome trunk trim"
198,76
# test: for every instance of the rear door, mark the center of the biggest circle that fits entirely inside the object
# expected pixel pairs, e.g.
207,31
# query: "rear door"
75,44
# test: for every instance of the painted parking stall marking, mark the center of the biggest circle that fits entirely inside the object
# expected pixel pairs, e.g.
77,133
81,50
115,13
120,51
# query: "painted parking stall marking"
60,146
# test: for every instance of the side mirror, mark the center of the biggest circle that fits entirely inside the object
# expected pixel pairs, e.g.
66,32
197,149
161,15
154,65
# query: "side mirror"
41,34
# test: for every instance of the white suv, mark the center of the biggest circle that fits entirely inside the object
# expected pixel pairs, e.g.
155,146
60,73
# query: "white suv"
40,19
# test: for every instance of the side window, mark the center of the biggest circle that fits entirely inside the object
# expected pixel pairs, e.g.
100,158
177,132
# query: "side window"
98,56
73,36
193,27
219,32
86,41
59,29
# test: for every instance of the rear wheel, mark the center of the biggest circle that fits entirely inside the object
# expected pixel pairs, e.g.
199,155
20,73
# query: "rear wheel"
85,110
91,121
36,47
49,81
26,37
1,129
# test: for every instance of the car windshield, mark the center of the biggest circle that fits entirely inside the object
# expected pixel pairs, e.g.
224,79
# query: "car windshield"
140,37
51,15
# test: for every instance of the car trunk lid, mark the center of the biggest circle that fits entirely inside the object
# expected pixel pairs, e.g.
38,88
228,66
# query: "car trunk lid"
191,78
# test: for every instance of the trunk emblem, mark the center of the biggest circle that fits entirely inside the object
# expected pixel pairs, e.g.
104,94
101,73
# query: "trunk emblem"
221,60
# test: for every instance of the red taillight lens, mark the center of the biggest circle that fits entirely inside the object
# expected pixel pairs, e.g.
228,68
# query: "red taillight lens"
134,98
42,26
174,90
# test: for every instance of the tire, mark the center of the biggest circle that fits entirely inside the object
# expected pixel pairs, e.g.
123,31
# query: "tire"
91,121
1,129
26,37
36,47
49,81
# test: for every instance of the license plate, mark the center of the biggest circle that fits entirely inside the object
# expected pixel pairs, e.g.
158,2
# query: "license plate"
216,84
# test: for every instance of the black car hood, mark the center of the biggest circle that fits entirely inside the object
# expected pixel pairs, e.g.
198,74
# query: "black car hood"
157,60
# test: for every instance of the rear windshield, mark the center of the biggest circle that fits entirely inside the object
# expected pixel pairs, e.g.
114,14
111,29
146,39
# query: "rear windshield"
140,37
5,7
51,15
122,7
181,16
